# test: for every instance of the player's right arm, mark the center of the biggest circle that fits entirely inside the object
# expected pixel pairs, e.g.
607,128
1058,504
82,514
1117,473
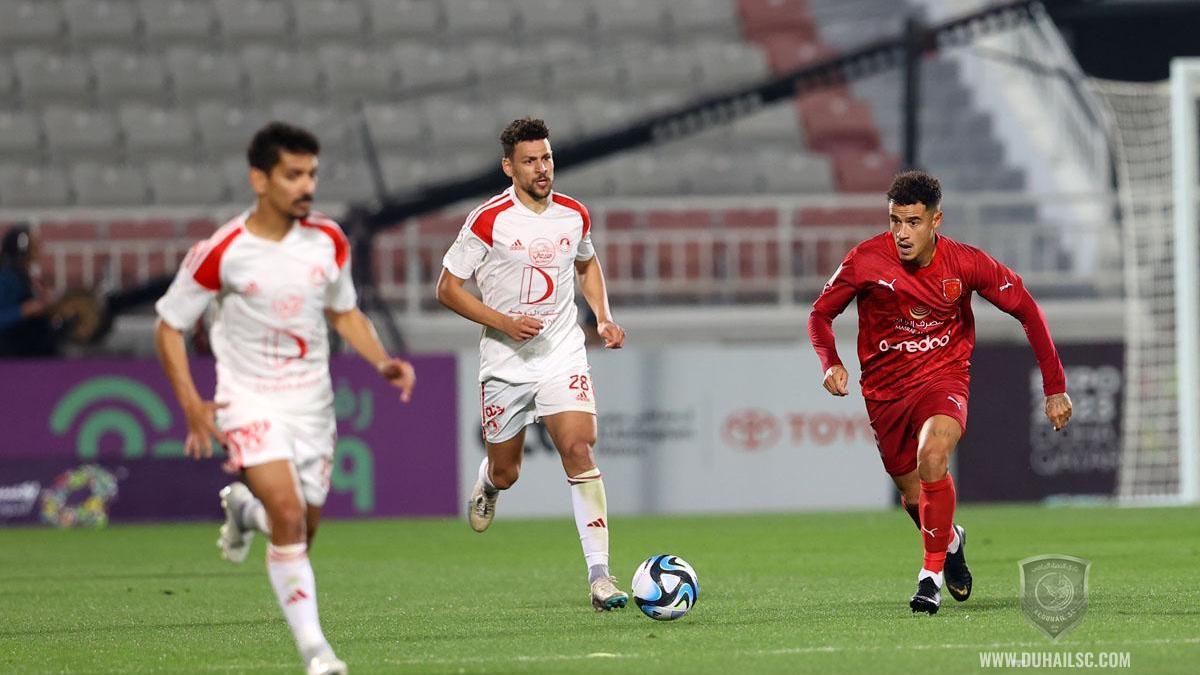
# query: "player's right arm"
835,297
464,257
194,287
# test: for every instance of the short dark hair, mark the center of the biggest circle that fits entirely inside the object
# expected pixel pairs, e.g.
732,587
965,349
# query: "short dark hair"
524,129
263,152
911,187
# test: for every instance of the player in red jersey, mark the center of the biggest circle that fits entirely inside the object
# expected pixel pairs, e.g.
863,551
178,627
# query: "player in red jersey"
916,332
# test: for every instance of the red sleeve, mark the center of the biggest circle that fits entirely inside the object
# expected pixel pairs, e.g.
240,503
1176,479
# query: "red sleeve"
1004,288
835,297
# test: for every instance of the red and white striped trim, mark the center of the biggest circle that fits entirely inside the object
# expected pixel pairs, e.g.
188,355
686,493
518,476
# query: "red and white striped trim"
575,205
341,245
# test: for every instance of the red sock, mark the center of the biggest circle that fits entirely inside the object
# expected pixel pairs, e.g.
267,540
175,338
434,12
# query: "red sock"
937,519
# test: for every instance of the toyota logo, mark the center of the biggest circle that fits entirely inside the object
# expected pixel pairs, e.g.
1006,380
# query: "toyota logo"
751,430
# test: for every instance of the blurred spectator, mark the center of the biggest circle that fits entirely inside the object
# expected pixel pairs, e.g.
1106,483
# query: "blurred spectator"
25,328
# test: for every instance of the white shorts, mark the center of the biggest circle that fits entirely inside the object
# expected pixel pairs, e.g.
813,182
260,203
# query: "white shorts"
307,441
507,408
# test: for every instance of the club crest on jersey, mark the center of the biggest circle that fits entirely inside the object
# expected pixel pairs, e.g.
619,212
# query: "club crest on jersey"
918,312
952,289
564,244
541,252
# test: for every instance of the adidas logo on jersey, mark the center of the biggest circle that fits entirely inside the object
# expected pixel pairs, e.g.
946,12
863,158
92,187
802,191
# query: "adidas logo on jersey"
296,596
599,522
582,396
517,246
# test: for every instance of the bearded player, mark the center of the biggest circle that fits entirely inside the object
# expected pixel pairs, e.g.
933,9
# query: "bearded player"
279,275
525,247
916,332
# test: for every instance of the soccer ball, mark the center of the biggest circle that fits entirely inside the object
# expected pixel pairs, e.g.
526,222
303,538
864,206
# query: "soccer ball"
665,587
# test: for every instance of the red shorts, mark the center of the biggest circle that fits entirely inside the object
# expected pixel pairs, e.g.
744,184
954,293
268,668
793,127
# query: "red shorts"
898,423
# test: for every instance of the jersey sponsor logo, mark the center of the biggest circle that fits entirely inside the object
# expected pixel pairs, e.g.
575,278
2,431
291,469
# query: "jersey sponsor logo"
517,246
564,244
952,289
1007,285
541,252
287,305
925,344
921,326
890,284
538,287
919,312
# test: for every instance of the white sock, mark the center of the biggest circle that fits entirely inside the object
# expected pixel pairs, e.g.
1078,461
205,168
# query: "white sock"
591,519
953,547
936,576
254,516
486,476
292,578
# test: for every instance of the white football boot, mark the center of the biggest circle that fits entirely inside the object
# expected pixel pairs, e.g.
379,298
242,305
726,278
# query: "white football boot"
234,541
606,596
481,508
326,664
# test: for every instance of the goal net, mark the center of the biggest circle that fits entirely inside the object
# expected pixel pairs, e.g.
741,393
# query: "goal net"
1155,142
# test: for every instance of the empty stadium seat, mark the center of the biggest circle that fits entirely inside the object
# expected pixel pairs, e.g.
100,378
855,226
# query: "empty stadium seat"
501,68
395,125
425,69
177,183
108,185
558,115
235,171
833,120
20,135
404,18
859,171
53,77
328,20
730,65
153,131
791,173
777,124
123,75
172,23
253,21
643,174
8,82
456,123
228,128
691,19
622,18
590,76
661,68
356,74
76,132
30,22
33,186
198,75
344,181
764,17
555,18
721,174
92,22
470,18
271,72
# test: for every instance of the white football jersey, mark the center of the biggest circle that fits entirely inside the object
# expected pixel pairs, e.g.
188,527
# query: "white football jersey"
270,335
524,263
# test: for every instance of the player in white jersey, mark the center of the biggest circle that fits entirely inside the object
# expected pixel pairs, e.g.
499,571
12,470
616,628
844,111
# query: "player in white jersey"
524,248
280,275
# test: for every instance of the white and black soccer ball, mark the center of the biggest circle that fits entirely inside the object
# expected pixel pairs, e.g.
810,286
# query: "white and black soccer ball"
665,587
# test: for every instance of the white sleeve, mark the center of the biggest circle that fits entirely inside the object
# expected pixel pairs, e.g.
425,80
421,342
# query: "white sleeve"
586,250
466,254
340,295
186,299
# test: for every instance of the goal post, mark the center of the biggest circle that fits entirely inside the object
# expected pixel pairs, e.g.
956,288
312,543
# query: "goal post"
1185,143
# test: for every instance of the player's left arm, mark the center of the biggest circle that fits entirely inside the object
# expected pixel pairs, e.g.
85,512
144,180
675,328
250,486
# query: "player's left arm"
343,314
1006,290
595,292
358,331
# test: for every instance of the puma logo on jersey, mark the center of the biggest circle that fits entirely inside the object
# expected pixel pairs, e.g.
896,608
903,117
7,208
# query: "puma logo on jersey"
1007,285
891,285
930,532
517,246
954,401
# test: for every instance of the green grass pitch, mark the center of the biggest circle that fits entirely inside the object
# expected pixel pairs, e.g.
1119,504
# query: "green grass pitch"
822,593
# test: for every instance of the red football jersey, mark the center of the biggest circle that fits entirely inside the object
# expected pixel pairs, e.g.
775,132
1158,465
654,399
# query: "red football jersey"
915,323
